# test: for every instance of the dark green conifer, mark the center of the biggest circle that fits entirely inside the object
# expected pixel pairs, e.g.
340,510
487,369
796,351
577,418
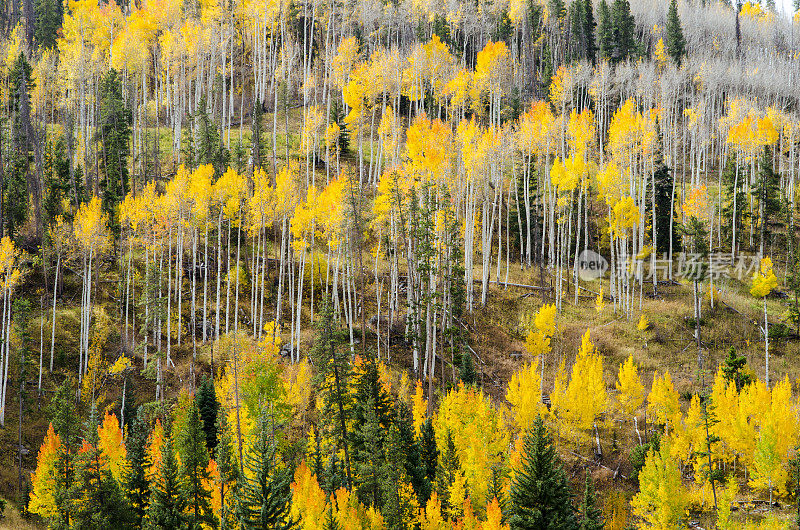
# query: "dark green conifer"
540,497
208,406
675,43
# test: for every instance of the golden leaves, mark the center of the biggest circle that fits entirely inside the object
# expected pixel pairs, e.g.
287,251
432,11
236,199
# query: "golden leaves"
764,279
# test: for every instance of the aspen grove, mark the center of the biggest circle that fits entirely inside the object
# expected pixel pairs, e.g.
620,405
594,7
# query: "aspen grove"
420,264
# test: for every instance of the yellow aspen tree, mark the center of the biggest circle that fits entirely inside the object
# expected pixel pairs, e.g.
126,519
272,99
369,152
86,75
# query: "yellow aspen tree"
631,391
431,517
110,443
43,480
523,393
585,397
662,402
309,502
494,517
662,501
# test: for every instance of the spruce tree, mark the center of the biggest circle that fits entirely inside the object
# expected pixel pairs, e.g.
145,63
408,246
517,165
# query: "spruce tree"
263,494
588,31
605,31
167,509
331,523
428,451
446,471
623,32
675,43
113,133
333,374
733,369
49,15
540,496
228,471
194,467
208,406
589,514
369,458
412,459
137,485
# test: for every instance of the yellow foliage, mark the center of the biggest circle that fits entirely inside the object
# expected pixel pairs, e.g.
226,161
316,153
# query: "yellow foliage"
630,387
764,279
308,500
663,401
112,446
478,434
43,480
524,395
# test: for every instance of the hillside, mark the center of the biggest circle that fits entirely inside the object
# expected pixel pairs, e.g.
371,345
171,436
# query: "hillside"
299,264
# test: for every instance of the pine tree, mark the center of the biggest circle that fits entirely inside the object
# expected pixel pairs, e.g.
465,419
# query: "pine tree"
733,369
114,133
589,30
623,31
49,15
167,509
263,494
605,31
590,516
208,406
194,459
228,472
137,486
540,495
449,466
676,44
428,451
414,466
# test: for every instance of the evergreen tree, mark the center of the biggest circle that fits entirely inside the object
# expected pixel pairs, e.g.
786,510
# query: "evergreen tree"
590,515
228,471
331,523
194,467
208,406
63,414
675,43
263,495
605,31
540,496
113,133
768,191
624,28
467,369
137,486
446,471
733,369
209,148
664,209
414,466
167,509
589,30
20,180
429,453
256,136
369,458
330,360
49,15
